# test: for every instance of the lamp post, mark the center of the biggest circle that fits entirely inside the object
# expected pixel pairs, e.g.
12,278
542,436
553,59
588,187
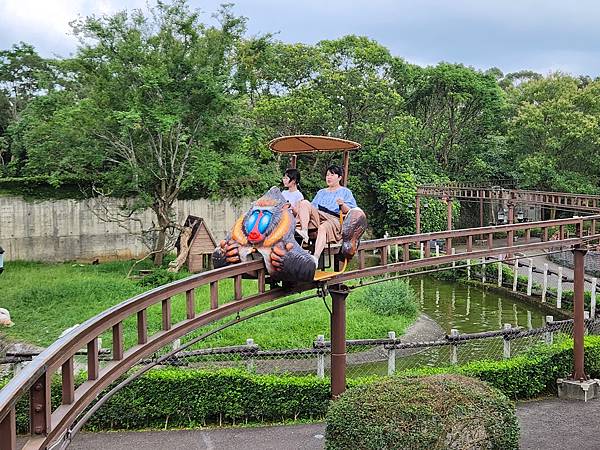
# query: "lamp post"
1,259
501,216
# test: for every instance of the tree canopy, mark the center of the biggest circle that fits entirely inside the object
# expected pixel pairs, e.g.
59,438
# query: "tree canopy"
157,105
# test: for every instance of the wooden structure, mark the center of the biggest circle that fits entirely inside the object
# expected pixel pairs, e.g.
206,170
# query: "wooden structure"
201,244
50,426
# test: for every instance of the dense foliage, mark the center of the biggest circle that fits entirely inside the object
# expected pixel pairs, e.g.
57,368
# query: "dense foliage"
434,412
158,104
185,398
390,298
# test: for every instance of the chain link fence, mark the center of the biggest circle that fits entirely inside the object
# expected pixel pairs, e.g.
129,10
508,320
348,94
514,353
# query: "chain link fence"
365,357
565,258
385,356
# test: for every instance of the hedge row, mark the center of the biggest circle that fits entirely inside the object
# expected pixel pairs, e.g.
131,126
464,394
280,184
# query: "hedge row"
530,374
187,397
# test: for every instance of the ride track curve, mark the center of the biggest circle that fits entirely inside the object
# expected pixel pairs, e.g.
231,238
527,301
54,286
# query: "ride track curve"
51,427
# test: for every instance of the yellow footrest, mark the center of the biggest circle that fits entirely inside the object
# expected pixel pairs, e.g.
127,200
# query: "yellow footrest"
321,275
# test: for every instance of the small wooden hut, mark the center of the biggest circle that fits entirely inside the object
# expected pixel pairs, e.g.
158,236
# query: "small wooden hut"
201,244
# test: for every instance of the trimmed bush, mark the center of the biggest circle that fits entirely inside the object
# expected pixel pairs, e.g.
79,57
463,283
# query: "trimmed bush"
189,397
529,374
390,298
435,412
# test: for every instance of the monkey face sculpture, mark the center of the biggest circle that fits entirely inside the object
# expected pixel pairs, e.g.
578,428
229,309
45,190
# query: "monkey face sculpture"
267,228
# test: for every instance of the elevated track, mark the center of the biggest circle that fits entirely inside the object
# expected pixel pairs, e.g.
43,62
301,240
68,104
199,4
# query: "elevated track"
52,427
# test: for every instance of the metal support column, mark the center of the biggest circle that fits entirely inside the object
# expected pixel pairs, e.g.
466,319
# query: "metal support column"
346,168
481,194
578,320
481,209
449,227
418,214
338,339
510,236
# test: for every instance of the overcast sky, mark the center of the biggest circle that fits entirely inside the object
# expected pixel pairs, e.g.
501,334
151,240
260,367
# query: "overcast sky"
541,35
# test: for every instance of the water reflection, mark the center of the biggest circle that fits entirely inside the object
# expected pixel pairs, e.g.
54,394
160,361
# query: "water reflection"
499,313
469,309
468,302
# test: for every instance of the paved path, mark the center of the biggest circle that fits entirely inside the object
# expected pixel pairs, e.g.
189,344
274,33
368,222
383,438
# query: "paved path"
539,261
549,424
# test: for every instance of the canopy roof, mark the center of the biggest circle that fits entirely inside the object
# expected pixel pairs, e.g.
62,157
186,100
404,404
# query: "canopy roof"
309,144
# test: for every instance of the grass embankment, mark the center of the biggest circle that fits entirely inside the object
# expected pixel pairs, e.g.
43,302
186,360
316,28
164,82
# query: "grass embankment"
45,299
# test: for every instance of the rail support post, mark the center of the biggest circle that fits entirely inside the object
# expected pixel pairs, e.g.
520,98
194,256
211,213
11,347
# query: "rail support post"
510,236
338,339
578,386
418,214
449,224
39,407
8,431
578,307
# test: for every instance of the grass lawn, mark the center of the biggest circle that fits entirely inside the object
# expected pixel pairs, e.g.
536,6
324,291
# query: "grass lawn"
45,299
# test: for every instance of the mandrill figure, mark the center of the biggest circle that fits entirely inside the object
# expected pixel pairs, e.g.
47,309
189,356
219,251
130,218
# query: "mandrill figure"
268,228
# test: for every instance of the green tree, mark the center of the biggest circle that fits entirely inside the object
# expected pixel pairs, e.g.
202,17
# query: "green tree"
457,108
158,86
554,134
23,76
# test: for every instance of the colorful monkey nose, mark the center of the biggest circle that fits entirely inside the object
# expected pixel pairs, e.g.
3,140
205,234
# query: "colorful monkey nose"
257,223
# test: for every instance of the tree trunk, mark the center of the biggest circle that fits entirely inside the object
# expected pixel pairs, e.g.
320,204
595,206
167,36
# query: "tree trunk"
184,249
159,250
162,214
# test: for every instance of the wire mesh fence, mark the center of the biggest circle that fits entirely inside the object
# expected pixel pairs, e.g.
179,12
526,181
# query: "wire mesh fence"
365,357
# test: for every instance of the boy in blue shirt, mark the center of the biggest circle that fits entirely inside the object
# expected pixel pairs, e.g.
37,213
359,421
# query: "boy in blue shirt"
323,212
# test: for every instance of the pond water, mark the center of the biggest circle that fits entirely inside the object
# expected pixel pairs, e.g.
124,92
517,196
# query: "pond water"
469,310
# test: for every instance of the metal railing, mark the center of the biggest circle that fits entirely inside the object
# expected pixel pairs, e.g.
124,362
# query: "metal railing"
467,191
47,426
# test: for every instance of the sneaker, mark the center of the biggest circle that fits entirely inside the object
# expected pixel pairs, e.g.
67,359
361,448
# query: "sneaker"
303,234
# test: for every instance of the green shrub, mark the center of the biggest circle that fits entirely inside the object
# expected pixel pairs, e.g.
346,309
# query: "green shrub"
447,275
390,298
189,397
435,412
160,277
531,373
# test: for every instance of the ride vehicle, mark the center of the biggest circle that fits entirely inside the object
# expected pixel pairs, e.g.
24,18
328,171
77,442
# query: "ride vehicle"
268,227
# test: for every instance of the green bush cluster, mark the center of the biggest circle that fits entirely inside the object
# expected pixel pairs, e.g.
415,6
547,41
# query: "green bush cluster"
531,373
390,298
161,276
177,397
191,397
435,412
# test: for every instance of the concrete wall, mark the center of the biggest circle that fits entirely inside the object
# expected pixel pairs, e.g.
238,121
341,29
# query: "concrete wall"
63,230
